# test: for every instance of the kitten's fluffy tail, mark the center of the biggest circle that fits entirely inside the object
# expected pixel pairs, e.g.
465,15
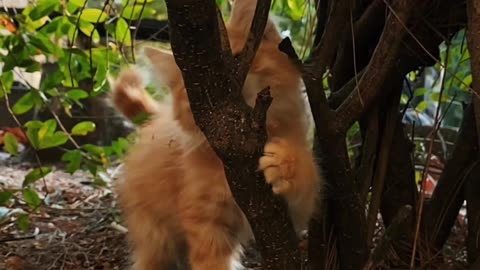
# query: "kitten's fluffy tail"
130,97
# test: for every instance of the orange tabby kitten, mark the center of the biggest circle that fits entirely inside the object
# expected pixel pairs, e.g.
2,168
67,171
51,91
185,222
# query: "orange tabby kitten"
174,194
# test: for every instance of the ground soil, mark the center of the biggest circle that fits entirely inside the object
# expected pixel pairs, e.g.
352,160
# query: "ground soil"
79,226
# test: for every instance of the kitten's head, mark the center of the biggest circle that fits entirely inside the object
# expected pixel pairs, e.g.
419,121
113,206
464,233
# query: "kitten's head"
270,67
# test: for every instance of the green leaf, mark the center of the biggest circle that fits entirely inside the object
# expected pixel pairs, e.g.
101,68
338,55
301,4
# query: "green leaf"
93,150
412,75
24,104
422,106
57,139
47,129
31,198
120,146
132,12
420,92
89,30
83,128
76,24
78,3
6,81
93,15
71,8
467,81
44,44
122,32
101,80
23,222
60,26
32,132
74,159
11,144
141,118
5,196
436,97
36,175
33,67
43,8
64,29
76,94
53,80
297,9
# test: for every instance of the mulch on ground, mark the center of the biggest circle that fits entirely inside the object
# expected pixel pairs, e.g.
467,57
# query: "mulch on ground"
79,227
76,229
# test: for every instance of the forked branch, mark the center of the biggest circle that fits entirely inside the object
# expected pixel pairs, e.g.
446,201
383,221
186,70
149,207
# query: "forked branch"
323,54
236,132
382,61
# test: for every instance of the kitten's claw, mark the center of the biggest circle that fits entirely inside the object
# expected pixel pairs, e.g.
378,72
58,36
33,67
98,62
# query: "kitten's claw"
277,164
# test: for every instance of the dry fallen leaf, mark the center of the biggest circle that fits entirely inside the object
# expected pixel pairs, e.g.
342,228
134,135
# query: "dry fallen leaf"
14,263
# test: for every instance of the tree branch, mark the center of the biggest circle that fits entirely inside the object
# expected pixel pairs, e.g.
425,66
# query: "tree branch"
254,37
338,97
322,15
382,60
390,106
442,209
322,55
366,32
235,132
190,25
385,251
400,188
472,186
473,36
365,171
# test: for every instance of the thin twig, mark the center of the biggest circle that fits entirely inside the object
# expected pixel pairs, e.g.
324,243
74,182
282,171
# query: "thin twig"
381,170
380,64
436,126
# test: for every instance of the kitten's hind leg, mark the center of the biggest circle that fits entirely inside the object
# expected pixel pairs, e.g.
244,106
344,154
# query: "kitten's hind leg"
209,247
156,245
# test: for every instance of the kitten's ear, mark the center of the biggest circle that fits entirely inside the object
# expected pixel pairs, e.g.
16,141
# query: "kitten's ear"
165,68
241,19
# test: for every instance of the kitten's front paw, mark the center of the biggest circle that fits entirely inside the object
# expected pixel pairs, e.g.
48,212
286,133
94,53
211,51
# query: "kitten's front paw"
278,165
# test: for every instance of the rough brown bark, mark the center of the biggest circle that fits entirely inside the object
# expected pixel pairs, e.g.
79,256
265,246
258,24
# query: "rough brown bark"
345,207
366,32
400,188
388,248
322,7
323,54
389,112
472,187
381,62
236,132
473,36
369,126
